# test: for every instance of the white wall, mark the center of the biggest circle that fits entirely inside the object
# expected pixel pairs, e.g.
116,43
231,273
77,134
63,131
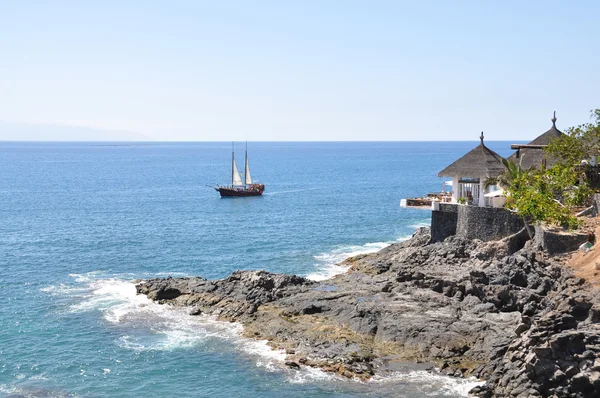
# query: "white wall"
481,191
454,189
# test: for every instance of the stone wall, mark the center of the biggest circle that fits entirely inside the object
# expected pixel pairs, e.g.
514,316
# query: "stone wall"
596,205
473,222
444,218
487,223
554,242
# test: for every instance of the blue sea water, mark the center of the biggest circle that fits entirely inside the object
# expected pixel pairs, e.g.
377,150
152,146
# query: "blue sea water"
80,222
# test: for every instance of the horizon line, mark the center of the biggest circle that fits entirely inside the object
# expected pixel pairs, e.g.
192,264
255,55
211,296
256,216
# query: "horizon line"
229,141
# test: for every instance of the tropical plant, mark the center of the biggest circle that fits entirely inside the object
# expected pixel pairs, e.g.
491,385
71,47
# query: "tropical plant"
578,143
461,200
548,195
506,179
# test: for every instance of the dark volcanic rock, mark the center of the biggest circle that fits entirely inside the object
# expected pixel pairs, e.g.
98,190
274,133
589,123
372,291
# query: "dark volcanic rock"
492,310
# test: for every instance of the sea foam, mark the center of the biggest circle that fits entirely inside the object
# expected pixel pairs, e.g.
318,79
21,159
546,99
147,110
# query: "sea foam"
328,264
429,383
148,326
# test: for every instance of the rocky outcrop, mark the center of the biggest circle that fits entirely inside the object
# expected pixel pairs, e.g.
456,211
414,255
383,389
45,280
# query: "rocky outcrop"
495,310
596,205
557,241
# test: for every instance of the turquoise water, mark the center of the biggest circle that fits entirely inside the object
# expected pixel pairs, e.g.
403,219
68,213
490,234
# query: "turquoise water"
80,222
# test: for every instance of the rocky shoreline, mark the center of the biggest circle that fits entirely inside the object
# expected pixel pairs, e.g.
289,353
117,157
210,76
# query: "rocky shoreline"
503,312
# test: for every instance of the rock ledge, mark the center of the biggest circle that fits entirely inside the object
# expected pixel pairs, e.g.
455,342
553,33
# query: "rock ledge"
498,311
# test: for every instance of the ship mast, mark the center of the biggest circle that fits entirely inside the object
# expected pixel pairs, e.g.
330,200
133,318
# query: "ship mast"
236,181
247,176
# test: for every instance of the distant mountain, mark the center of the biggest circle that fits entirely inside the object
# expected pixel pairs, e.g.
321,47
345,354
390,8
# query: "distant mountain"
50,132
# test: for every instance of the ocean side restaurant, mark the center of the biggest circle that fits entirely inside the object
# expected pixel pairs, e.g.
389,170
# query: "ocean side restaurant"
470,172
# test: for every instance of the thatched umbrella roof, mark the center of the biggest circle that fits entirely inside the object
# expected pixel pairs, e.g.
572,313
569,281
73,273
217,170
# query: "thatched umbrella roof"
533,157
481,161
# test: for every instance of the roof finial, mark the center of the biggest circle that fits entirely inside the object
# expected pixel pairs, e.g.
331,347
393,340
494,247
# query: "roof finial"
481,138
554,120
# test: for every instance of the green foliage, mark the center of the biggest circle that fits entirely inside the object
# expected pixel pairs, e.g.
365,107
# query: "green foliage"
506,179
461,200
550,194
578,143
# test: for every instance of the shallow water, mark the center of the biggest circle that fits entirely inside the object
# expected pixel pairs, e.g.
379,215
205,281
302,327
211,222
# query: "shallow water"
81,222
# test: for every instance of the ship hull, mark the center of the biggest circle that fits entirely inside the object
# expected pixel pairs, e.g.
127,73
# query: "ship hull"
240,192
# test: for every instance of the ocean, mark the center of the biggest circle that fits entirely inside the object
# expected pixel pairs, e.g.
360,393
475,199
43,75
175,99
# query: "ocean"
80,222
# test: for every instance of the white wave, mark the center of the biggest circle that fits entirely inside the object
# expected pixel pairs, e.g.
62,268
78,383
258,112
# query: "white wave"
328,264
22,391
63,290
430,383
38,377
327,271
289,191
85,278
148,326
114,297
166,274
425,223
268,358
9,390
307,374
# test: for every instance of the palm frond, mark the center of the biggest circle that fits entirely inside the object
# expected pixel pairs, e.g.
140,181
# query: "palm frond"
490,182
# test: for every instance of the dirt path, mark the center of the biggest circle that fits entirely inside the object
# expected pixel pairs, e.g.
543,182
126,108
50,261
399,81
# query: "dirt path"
587,265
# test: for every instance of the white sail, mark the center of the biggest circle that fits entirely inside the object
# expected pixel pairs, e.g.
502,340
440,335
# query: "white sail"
236,180
247,172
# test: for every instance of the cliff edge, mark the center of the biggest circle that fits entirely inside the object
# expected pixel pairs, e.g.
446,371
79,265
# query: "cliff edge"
500,311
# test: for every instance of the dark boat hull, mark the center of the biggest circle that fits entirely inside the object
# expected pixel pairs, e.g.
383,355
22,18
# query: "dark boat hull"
240,192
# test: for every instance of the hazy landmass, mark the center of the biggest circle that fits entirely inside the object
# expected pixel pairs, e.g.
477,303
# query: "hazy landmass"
49,132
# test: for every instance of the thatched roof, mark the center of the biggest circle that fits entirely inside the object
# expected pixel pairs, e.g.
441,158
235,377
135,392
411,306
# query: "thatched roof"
481,161
533,157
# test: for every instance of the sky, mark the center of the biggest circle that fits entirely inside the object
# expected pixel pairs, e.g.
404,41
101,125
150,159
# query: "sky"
307,70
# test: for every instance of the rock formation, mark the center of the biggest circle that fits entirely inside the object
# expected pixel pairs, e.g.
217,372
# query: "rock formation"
500,311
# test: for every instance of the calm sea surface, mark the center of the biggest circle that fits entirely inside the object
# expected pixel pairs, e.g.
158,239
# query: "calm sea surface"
80,222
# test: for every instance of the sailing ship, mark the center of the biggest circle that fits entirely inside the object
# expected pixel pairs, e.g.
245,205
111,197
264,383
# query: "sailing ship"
239,187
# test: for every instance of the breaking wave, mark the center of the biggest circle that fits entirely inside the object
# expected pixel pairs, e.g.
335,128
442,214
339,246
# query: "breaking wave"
144,325
328,264
429,383
148,326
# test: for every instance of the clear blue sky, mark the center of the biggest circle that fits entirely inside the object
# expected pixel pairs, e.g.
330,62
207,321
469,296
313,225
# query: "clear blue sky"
299,70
